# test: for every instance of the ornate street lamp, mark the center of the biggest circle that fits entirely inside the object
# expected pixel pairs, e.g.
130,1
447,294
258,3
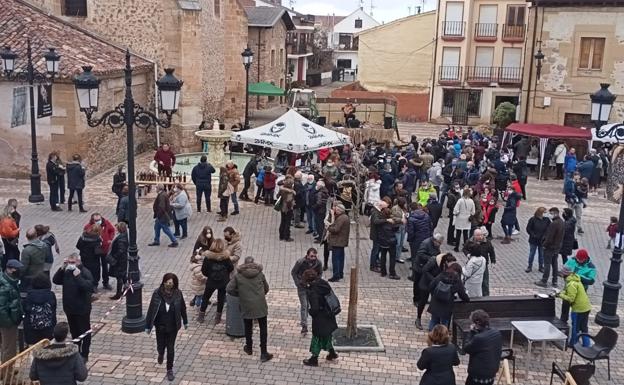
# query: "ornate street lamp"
31,76
539,56
247,55
130,114
602,103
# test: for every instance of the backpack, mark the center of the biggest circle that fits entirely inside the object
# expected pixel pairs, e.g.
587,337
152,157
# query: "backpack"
41,316
443,292
218,273
333,303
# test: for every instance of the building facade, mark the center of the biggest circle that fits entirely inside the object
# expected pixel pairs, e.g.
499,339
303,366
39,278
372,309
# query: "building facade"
66,129
582,43
188,35
478,59
268,29
344,39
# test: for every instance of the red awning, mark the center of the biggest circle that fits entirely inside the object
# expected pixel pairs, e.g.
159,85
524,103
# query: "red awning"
549,131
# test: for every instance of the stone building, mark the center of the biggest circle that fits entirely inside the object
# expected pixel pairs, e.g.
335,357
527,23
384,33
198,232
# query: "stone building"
66,130
268,27
201,39
478,59
582,46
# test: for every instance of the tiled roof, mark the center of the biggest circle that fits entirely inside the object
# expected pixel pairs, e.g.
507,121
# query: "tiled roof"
267,17
20,21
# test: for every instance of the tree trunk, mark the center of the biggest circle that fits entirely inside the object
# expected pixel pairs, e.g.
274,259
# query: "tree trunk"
353,286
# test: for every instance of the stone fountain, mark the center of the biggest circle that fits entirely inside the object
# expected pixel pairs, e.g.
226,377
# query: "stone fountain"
212,144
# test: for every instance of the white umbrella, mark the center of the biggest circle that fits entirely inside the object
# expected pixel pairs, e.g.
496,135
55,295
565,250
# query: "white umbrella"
292,132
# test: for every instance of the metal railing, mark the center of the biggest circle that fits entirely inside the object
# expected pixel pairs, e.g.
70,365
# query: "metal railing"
453,29
16,370
504,75
513,32
449,74
487,31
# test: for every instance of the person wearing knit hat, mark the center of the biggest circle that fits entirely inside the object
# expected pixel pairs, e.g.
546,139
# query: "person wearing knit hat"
581,265
574,294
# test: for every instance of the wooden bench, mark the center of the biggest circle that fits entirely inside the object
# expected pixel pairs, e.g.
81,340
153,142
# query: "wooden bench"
503,310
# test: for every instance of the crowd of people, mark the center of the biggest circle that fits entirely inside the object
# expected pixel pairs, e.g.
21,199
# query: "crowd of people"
400,192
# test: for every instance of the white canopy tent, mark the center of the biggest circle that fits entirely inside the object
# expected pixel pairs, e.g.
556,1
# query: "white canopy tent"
292,132
609,133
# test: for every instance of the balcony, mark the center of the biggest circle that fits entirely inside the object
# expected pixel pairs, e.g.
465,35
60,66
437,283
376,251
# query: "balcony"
346,46
513,33
449,75
453,30
484,76
486,32
299,49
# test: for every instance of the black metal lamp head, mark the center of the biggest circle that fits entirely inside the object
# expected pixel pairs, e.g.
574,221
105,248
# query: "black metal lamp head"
8,59
52,61
87,90
539,56
169,91
247,55
601,104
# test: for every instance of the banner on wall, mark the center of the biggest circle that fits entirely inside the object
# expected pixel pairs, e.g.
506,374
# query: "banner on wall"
18,113
44,101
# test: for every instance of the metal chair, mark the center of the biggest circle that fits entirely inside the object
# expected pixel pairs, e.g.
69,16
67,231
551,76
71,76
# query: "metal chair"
576,375
603,343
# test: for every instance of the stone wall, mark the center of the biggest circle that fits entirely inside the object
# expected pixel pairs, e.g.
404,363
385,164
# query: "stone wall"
268,45
67,131
235,40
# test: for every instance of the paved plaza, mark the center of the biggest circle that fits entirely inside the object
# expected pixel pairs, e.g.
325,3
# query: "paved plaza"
205,355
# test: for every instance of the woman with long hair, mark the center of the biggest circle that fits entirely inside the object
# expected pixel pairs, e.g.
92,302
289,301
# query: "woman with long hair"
166,312
216,267
90,246
431,269
119,258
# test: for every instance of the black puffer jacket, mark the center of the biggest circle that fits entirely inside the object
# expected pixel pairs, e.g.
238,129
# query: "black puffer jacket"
75,176
217,268
569,228
536,228
119,252
36,298
426,250
323,321
386,235
58,364
202,173
77,290
179,307
441,309
484,348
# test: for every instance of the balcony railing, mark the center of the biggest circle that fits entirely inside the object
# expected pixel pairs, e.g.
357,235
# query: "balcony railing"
513,33
299,49
486,75
453,30
449,74
486,31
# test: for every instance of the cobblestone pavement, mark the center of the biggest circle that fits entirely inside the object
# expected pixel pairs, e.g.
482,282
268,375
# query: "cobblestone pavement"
205,355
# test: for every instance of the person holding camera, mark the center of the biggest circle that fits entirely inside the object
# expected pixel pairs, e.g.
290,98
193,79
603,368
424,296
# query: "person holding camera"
78,287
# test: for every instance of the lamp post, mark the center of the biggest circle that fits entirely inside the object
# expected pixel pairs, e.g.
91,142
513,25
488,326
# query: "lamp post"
539,56
601,104
129,114
247,60
31,76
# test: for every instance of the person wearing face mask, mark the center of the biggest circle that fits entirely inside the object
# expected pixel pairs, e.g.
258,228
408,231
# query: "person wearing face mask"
309,261
552,242
77,283
488,211
107,235
11,311
181,209
509,218
166,312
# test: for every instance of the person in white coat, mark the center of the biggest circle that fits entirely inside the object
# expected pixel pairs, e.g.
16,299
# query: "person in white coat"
371,193
182,210
560,153
462,212
473,272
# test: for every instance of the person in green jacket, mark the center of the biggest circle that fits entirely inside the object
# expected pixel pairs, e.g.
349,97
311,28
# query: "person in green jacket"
582,265
11,311
423,193
574,293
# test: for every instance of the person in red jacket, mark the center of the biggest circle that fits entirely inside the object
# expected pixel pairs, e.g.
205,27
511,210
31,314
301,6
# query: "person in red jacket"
107,235
269,185
165,158
323,154
517,188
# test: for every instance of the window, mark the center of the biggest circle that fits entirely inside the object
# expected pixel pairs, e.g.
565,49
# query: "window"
472,104
344,41
217,8
591,53
272,58
515,15
281,57
343,63
358,23
75,8
450,63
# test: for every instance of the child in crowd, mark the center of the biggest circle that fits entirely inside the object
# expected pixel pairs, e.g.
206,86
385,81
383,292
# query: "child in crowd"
259,184
612,230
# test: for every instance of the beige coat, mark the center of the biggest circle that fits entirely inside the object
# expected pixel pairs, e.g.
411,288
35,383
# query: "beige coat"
198,281
235,248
